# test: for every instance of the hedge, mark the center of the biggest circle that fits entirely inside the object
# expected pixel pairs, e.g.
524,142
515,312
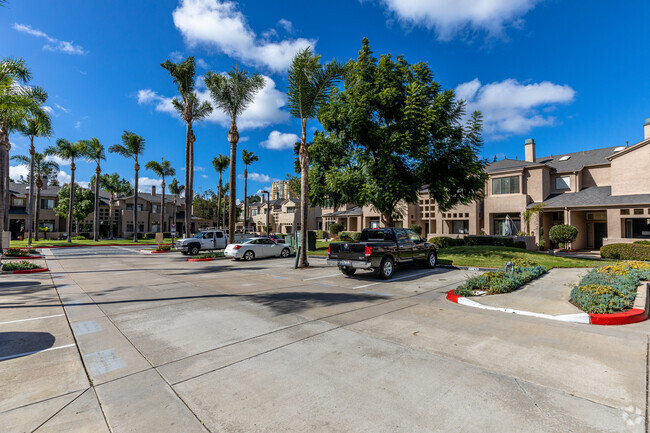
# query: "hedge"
626,252
611,288
322,234
22,265
489,241
563,234
504,280
336,228
642,242
350,236
445,242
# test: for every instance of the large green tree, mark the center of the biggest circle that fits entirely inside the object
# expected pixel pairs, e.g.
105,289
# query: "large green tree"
162,169
190,109
232,93
39,125
390,131
247,158
69,151
18,101
42,168
83,204
206,203
95,153
116,186
309,86
132,146
220,163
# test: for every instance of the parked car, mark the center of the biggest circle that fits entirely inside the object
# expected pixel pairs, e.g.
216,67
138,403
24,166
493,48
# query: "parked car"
249,249
381,250
206,240
277,239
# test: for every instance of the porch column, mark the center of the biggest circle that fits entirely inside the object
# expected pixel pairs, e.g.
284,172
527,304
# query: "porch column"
546,224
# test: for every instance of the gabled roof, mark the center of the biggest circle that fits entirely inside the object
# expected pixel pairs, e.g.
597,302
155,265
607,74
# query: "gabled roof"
509,164
169,198
577,160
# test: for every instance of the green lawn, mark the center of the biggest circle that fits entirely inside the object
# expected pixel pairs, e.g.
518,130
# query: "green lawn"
494,257
52,243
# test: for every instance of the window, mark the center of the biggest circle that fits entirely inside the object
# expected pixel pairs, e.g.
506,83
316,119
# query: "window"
291,210
638,211
47,203
129,206
254,212
506,224
625,211
47,223
413,236
155,228
460,227
637,228
140,226
374,224
155,208
129,227
505,185
563,182
19,202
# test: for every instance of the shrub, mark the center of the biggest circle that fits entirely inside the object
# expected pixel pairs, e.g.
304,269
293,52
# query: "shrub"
642,242
416,228
520,244
502,281
149,235
321,234
167,235
336,228
79,238
563,234
164,248
350,236
22,265
445,242
15,252
213,255
492,241
626,252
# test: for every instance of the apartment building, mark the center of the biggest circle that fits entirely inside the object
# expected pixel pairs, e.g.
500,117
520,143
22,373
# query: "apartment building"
280,190
283,216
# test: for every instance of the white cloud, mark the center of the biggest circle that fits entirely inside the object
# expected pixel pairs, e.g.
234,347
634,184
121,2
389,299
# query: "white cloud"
510,107
63,177
259,191
82,183
219,24
449,18
265,110
286,25
199,168
54,44
244,139
204,176
77,124
145,184
48,109
58,160
202,64
176,56
258,177
280,141
18,170
65,110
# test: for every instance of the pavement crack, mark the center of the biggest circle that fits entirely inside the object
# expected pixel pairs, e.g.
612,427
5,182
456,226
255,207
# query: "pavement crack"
541,411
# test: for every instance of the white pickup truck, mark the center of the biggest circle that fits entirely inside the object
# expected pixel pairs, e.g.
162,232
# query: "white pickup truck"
206,240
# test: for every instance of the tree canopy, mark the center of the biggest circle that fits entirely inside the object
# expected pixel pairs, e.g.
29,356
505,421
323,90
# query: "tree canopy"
391,131
83,202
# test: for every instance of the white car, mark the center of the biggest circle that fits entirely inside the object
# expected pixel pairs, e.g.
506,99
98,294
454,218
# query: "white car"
249,249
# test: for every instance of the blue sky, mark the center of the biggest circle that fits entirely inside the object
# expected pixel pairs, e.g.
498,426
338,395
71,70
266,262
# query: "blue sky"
570,76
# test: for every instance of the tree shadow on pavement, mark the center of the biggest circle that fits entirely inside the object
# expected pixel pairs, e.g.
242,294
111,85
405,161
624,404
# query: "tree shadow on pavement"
294,302
17,344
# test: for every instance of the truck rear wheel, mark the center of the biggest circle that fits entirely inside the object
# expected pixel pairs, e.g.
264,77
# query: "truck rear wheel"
347,271
386,268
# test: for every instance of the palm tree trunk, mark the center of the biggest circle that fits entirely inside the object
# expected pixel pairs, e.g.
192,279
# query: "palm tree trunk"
304,174
71,201
162,207
4,187
219,204
245,196
30,206
233,135
96,219
37,207
188,187
8,183
111,218
135,203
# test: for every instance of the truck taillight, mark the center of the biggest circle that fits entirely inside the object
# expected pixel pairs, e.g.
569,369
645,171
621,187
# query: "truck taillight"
236,247
329,249
368,251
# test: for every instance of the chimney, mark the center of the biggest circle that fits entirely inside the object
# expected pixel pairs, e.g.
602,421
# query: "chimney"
646,129
153,189
529,146
44,180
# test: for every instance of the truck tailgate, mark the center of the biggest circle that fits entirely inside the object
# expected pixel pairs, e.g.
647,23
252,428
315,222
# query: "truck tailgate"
347,251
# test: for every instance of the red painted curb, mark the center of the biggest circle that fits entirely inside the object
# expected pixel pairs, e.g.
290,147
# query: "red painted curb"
22,258
631,316
31,271
101,245
200,260
153,252
452,296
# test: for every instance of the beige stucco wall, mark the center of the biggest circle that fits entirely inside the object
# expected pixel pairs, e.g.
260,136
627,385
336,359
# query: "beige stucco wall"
631,172
596,176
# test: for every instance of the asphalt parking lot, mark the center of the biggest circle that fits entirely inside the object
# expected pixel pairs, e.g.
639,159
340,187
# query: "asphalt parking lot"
114,340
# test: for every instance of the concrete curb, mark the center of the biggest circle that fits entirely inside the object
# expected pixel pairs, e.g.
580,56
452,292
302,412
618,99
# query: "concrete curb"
467,268
96,245
27,271
638,313
207,259
21,258
152,252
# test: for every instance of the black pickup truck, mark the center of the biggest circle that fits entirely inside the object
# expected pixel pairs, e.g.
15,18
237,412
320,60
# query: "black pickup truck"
380,250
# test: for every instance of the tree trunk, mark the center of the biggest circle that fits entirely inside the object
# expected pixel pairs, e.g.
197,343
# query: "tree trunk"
219,204
388,218
71,201
304,184
7,183
111,218
162,207
96,218
245,195
189,166
37,207
135,203
30,206
233,136
4,187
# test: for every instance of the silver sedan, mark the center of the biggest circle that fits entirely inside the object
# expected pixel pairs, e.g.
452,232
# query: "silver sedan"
249,249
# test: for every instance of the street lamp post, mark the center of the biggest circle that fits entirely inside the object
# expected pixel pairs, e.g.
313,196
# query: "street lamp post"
268,211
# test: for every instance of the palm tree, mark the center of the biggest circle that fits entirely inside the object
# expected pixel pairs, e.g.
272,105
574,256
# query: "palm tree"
176,189
309,85
220,163
232,93
132,146
69,151
37,126
41,168
116,186
95,153
190,109
248,158
17,102
161,169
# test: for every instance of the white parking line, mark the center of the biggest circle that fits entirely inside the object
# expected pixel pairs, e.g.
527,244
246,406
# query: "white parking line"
323,276
18,355
33,318
395,279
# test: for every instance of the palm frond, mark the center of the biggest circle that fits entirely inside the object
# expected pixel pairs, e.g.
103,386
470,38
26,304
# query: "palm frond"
220,163
22,159
15,69
233,92
248,157
95,151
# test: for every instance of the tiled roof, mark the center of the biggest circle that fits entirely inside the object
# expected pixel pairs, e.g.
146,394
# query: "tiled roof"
595,196
353,211
577,160
508,164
